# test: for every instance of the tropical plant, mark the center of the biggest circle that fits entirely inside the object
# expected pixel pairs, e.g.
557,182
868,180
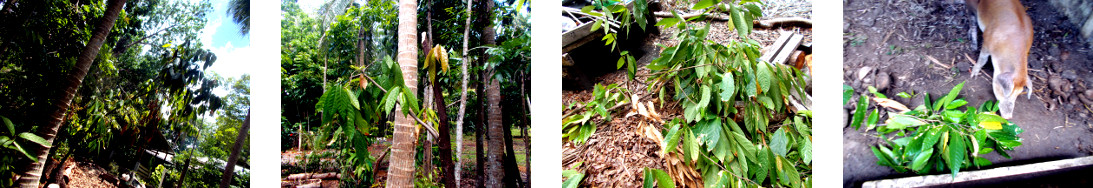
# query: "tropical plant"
12,143
936,135
578,127
614,15
83,62
401,171
239,10
719,86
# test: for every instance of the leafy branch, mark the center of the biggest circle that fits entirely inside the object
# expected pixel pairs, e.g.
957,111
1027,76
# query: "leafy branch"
936,135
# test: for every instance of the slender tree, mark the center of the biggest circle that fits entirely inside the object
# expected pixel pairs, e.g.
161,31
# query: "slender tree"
462,97
33,173
229,169
401,173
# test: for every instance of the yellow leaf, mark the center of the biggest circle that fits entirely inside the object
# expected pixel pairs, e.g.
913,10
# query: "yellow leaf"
428,58
991,125
168,45
443,58
889,103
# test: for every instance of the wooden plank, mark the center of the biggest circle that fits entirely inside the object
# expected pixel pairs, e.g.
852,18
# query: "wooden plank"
788,48
969,176
774,48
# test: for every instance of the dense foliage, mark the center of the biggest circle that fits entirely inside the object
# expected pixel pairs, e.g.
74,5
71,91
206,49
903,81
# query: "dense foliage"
340,83
145,91
720,87
936,135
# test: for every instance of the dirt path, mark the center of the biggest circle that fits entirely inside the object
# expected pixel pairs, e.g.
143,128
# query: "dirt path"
898,38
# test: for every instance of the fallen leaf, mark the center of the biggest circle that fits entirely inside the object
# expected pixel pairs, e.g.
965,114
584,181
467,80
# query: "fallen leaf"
889,103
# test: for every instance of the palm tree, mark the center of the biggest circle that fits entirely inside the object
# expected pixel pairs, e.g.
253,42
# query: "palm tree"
495,138
401,172
33,173
239,10
229,169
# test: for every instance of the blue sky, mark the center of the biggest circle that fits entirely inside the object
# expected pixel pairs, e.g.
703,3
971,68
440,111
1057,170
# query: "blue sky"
221,35
233,51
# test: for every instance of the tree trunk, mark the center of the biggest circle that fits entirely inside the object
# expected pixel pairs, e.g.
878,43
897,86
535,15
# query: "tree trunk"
229,169
462,98
527,125
427,168
480,132
33,172
494,165
401,173
512,171
445,137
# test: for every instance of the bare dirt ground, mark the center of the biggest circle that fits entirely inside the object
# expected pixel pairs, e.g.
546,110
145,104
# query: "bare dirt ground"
897,39
86,174
616,154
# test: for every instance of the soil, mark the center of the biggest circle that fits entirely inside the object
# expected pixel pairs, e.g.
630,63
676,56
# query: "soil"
616,154
923,46
86,174
293,157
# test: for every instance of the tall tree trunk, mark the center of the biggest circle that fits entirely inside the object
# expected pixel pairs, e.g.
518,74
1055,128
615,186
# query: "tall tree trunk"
427,142
229,169
462,97
186,167
512,171
527,125
33,172
445,137
494,165
480,130
401,173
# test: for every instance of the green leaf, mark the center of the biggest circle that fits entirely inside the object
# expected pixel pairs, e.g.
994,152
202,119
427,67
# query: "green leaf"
956,104
763,75
875,93
944,101
705,97
663,180
882,159
728,86
859,112
672,139
778,143
596,25
573,181
7,123
765,100
872,120
19,147
957,151
667,22
648,181
35,139
806,150
622,61
743,26
900,121
904,95
690,145
390,98
919,163
847,93
704,4
709,132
